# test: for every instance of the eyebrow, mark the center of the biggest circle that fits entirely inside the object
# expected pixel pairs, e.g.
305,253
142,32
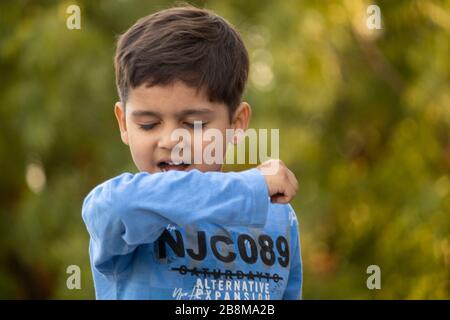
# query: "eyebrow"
184,113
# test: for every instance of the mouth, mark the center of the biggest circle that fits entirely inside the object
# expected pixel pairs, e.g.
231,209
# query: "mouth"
169,165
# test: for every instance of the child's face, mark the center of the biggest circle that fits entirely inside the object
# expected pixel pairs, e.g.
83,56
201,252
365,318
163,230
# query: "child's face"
153,113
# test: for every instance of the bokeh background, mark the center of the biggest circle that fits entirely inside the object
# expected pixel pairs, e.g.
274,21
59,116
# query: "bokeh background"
364,119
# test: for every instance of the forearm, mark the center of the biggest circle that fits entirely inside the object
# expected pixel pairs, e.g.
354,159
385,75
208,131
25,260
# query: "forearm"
130,210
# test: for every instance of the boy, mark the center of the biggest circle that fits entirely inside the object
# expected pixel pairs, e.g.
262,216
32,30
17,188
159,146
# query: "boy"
187,230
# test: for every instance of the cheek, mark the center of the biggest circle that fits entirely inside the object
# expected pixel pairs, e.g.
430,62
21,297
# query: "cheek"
140,142
221,142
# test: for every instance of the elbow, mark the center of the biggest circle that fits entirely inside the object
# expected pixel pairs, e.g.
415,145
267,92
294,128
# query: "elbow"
101,214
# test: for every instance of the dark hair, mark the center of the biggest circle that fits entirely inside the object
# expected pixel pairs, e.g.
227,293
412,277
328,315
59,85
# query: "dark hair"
184,43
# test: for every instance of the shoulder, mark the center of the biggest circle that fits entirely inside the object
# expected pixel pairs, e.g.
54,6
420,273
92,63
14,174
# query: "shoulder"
283,213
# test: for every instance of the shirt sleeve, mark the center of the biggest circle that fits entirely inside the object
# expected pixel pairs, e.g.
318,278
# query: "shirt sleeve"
294,286
130,210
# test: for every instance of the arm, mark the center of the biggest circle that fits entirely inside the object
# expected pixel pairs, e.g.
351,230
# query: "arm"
130,210
294,285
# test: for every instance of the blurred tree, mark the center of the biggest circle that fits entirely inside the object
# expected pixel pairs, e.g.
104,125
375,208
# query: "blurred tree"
364,120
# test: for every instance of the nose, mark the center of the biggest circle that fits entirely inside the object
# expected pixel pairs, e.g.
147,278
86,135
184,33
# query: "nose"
165,140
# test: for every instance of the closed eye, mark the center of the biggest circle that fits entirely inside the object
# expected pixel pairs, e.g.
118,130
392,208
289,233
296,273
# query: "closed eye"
192,125
150,126
147,127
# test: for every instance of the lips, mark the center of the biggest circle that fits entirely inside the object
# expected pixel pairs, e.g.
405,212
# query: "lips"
169,165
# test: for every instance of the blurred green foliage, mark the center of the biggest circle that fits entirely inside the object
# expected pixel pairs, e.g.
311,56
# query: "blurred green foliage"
364,119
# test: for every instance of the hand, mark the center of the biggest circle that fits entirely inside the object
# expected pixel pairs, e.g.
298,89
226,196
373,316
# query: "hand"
281,182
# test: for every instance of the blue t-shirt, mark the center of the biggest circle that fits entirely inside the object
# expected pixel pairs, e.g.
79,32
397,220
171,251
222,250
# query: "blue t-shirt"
192,235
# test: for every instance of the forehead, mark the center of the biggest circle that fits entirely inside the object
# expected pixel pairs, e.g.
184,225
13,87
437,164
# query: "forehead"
172,98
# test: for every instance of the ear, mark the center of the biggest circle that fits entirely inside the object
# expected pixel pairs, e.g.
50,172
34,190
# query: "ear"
241,119
119,111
